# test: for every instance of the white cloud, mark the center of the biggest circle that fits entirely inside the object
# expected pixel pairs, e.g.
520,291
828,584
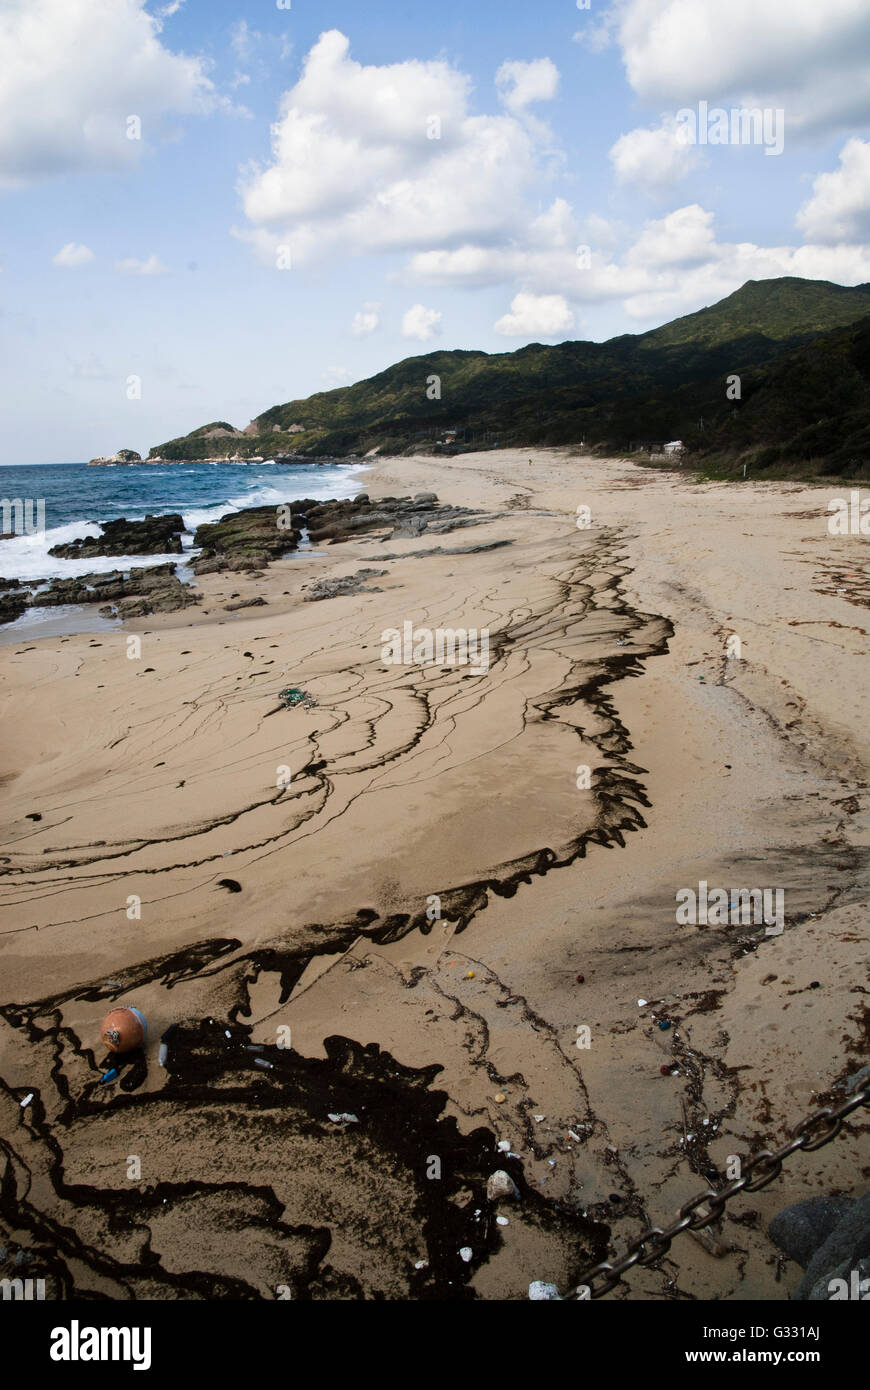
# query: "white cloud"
519,84
336,376
684,237
241,39
673,266
421,323
653,159
536,316
366,320
72,73
811,59
72,255
354,170
132,266
839,210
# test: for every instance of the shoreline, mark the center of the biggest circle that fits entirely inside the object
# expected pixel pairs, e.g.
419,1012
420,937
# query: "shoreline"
409,784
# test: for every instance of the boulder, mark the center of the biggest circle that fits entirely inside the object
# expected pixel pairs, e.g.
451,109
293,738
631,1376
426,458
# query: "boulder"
844,1253
156,535
800,1229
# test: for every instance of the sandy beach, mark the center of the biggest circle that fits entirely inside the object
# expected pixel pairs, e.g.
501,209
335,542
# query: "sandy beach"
394,890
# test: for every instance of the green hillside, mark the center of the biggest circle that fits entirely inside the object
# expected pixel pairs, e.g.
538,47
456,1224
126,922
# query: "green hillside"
652,386
807,412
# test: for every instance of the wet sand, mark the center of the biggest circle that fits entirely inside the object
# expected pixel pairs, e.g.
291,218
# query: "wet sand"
416,905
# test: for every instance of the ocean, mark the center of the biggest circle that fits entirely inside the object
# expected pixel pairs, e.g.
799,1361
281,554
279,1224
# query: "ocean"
77,498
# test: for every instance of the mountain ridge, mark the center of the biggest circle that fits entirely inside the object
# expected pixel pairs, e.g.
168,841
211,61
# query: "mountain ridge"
631,387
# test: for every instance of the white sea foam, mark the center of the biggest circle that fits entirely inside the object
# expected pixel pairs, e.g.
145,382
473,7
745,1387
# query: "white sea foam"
27,558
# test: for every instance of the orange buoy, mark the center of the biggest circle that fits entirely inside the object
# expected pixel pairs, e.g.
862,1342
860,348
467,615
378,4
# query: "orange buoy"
123,1030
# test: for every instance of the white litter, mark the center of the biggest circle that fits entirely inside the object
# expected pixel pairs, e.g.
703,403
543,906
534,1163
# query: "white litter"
27,1099
504,1146
344,1119
466,1253
502,1221
538,1291
641,1003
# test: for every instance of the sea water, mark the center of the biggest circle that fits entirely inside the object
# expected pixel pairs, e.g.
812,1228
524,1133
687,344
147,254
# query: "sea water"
77,498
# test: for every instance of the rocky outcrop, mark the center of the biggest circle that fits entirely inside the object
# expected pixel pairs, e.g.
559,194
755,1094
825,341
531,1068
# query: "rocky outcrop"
338,588
247,539
155,589
396,516
244,603
156,535
122,456
13,600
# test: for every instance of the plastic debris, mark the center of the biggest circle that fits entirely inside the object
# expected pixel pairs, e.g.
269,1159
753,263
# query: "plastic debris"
470,975
665,1071
263,1064
344,1119
581,979
293,696
539,1118
500,1097
124,1030
504,1146
421,1264
502,1221
162,1054
539,1292
664,1024
110,1075
466,1253
27,1099
641,1003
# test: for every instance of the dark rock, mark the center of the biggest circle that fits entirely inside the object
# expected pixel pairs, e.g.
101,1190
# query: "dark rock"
800,1229
847,1248
252,535
217,564
153,589
244,603
156,535
409,526
13,604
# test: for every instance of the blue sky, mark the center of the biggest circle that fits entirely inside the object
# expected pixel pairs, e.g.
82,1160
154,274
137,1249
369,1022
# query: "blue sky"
559,199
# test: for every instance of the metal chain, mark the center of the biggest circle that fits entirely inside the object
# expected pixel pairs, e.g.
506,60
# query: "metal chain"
812,1133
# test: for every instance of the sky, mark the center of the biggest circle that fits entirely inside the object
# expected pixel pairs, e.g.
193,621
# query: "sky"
209,207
